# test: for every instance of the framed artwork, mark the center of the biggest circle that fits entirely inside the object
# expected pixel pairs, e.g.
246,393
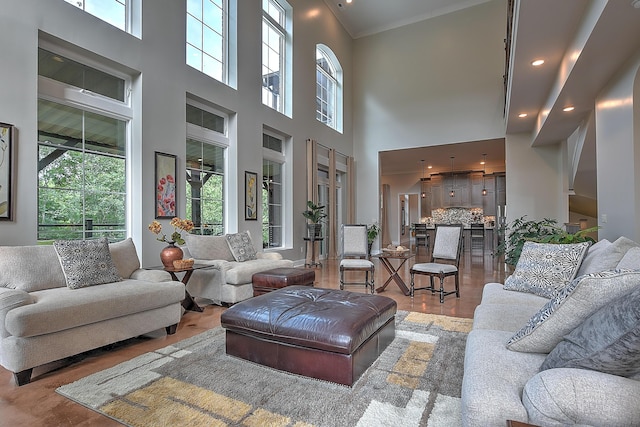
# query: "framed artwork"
250,196
165,194
6,171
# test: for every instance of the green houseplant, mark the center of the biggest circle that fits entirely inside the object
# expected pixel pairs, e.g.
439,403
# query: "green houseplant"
544,231
315,215
372,233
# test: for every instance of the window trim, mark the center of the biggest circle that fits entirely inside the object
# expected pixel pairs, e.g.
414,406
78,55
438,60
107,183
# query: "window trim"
285,159
338,113
225,43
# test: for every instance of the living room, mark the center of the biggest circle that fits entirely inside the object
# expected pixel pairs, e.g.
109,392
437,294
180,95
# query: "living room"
406,87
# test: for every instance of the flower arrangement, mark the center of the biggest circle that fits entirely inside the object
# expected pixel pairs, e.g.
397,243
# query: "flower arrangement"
178,224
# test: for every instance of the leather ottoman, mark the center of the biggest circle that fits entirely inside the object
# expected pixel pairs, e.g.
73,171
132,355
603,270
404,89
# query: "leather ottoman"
326,334
270,280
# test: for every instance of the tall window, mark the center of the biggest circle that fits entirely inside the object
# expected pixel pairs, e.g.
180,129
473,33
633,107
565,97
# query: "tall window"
272,190
206,151
115,12
276,43
82,188
328,88
207,35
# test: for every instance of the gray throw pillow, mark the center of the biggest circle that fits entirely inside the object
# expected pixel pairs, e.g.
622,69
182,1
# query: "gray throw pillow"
241,246
601,256
125,257
545,268
608,341
86,262
570,307
208,247
631,259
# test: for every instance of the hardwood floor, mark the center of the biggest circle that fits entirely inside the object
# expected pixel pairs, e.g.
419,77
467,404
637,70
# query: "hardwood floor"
37,404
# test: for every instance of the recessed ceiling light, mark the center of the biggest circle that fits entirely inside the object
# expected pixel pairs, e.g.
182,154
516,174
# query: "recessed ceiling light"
522,115
537,62
349,1
429,167
567,109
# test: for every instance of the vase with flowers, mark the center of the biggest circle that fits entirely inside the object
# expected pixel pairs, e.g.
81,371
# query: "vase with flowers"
171,252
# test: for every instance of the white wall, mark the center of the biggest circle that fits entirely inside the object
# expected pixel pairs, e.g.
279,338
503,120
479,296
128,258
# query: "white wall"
536,180
160,90
433,82
618,154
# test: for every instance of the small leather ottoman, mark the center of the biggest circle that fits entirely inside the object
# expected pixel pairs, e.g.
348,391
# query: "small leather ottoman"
270,280
326,334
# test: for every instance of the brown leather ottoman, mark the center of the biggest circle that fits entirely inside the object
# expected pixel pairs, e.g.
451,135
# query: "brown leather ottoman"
270,280
327,334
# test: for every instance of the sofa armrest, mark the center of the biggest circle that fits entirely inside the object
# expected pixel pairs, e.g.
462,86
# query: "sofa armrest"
151,275
10,299
269,255
566,396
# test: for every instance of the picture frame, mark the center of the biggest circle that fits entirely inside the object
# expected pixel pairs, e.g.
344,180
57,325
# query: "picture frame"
165,193
251,196
7,142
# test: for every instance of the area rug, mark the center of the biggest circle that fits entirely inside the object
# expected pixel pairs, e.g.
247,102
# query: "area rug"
415,382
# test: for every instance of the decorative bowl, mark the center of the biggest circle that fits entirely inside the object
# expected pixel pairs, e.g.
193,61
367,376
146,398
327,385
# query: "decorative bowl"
183,263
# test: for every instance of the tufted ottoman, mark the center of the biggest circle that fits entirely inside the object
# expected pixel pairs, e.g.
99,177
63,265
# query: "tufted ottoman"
326,334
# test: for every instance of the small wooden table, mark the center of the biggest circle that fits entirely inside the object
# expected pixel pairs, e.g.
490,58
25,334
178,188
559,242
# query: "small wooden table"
188,302
385,259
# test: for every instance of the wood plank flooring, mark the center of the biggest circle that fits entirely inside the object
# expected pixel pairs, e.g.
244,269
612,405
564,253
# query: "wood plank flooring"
37,404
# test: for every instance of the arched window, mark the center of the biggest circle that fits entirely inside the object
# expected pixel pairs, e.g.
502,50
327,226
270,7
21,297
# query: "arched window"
328,88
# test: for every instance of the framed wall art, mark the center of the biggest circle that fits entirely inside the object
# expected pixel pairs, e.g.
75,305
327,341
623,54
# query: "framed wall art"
250,196
165,194
6,171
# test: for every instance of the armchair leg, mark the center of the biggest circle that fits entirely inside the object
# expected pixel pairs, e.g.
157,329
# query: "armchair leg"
441,288
411,289
23,377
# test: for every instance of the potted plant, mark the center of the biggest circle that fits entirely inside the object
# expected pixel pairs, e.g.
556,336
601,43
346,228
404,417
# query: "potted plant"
315,215
544,231
372,233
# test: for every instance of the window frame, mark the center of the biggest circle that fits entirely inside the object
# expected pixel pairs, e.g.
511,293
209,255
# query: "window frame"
128,25
285,31
284,160
336,79
224,60
68,95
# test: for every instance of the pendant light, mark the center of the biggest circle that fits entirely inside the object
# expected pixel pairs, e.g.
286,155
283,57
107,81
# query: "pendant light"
452,193
423,194
484,172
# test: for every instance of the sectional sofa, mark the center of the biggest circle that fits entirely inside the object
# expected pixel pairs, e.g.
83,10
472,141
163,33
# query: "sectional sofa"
53,306
557,351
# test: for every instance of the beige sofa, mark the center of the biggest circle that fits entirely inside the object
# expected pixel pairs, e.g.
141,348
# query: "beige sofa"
43,320
511,366
229,279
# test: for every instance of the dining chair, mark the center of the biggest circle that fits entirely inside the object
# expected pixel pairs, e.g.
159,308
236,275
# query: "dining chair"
477,236
355,255
421,235
445,260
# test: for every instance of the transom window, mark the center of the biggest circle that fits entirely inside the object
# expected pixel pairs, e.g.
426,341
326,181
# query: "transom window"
207,37
275,47
328,88
115,12
206,148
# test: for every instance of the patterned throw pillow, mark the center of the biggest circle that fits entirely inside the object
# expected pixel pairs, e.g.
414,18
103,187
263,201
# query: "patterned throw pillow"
572,305
545,268
608,341
86,262
241,246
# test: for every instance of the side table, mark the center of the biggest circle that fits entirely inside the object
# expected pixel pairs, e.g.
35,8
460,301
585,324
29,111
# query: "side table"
311,241
188,302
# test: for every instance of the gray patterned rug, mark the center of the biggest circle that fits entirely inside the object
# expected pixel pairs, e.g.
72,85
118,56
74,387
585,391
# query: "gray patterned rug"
415,382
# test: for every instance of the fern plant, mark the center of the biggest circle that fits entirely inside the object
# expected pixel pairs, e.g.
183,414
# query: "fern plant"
545,231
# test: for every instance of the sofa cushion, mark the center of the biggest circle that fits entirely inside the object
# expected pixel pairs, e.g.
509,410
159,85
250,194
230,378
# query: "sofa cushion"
494,293
568,309
503,317
608,341
630,260
601,256
577,397
545,268
30,268
86,262
241,246
240,273
125,257
59,309
208,247
493,379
